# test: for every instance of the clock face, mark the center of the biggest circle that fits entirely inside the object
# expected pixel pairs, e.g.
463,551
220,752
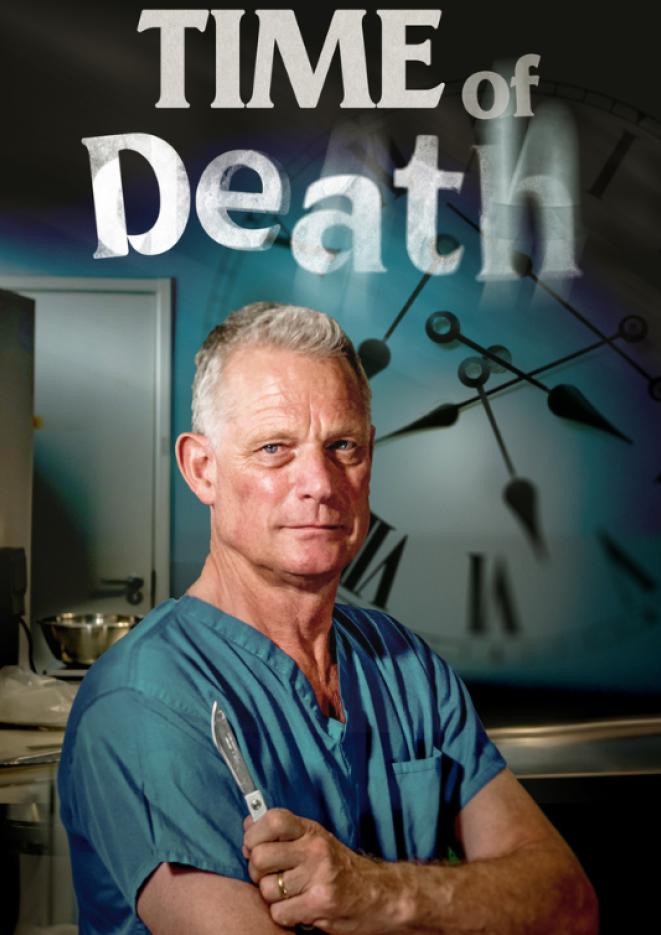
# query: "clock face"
516,495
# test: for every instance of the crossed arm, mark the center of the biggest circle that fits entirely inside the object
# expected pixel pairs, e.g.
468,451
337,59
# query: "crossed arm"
519,878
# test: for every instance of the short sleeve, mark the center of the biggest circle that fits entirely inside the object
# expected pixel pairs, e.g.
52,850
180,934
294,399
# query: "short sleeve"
147,787
474,758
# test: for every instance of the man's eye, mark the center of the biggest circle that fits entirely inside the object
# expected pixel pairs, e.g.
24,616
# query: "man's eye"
271,448
343,444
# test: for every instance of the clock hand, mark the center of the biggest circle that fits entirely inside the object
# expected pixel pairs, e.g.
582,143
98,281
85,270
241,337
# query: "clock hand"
568,402
447,413
619,557
442,416
519,494
444,328
564,400
525,265
632,328
588,324
284,237
374,353
496,431
554,363
407,305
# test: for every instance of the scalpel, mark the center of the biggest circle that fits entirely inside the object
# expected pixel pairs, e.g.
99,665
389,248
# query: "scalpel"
225,743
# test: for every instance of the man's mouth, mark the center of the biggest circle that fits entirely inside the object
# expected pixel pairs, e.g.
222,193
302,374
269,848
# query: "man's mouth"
319,526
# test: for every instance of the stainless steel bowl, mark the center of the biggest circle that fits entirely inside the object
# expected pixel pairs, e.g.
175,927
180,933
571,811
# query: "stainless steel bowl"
79,639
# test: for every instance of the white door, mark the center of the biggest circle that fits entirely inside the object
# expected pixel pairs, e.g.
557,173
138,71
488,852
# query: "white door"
100,534
16,403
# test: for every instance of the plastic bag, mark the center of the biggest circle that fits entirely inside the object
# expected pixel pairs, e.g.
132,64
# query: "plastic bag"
33,700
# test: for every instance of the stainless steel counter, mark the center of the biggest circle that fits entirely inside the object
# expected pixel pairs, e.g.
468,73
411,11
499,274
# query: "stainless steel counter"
29,746
34,853
615,747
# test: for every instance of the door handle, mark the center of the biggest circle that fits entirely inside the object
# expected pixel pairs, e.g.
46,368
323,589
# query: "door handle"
132,586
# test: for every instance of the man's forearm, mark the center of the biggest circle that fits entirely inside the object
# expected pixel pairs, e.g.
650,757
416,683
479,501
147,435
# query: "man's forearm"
520,877
536,890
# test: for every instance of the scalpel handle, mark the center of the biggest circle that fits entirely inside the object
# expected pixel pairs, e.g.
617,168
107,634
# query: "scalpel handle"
256,804
257,808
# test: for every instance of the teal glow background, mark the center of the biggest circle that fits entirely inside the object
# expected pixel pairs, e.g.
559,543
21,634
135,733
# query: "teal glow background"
584,621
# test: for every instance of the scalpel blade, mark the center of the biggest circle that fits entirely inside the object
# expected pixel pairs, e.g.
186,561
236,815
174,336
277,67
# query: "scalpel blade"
225,742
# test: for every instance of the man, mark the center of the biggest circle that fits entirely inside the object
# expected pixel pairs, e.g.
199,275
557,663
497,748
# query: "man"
363,741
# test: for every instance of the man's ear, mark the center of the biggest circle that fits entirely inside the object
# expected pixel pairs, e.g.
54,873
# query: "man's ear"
197,463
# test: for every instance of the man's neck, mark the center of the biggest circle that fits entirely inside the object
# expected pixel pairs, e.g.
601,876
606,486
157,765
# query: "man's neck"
295,614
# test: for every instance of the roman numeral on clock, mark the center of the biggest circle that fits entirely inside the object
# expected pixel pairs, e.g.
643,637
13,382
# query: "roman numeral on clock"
612,164
634,582
372,562
498,594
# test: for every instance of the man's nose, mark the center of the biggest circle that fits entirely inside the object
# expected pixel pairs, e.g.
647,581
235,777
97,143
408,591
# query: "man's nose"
315,474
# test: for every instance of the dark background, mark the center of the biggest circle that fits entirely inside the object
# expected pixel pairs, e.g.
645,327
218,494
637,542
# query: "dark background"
71,70
75,70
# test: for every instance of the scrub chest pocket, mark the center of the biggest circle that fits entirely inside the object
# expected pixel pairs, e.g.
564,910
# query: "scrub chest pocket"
416,797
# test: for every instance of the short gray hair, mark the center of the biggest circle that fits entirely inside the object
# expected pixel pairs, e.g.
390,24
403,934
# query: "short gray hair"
267,324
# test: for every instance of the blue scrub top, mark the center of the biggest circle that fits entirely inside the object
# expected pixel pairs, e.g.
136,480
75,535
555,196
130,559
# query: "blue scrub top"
141,782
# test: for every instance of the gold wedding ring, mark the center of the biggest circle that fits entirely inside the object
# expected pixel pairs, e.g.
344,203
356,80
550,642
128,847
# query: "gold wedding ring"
281,885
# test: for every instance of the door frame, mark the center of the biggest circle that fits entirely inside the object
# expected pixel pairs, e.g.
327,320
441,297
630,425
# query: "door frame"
162,291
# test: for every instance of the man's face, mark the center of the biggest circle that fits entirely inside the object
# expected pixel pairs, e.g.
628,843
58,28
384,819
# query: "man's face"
293,458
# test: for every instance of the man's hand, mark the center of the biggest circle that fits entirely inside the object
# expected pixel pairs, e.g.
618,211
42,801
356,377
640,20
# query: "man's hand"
327,884
519,876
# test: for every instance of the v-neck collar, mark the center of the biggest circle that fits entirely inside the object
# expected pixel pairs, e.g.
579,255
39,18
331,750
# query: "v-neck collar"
252,640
